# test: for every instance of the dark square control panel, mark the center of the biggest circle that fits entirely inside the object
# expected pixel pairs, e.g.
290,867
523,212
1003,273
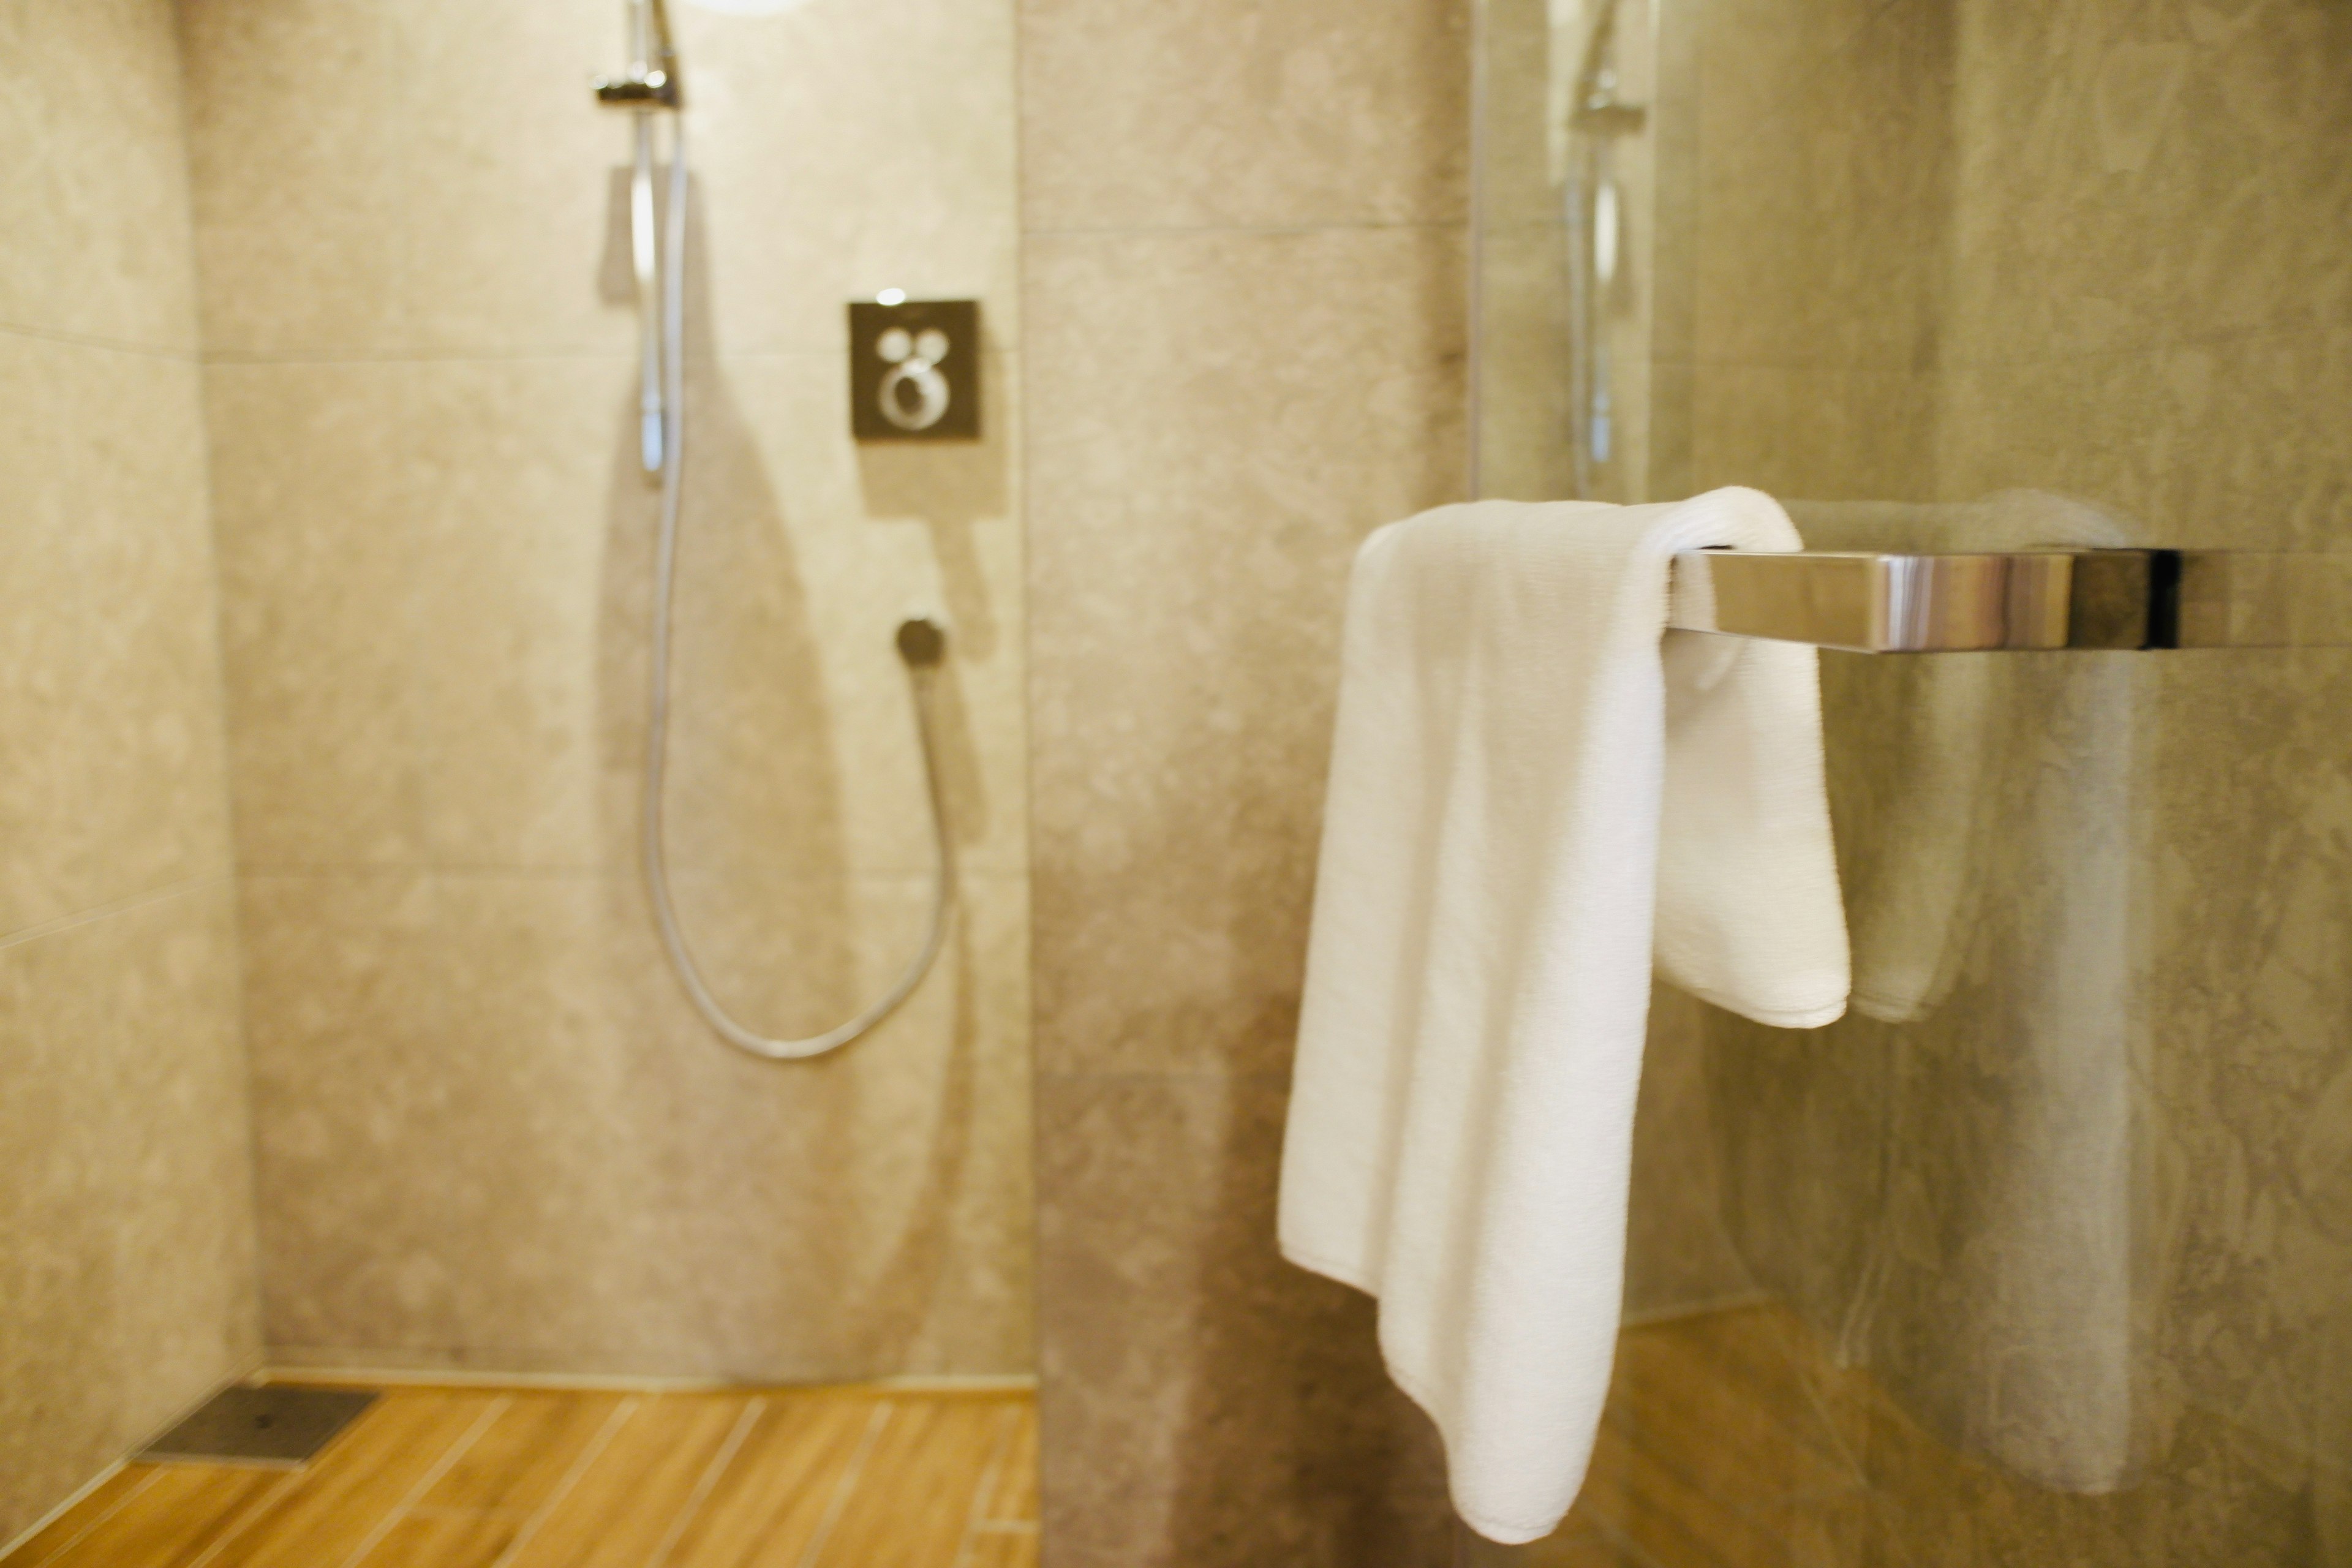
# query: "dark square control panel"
914,371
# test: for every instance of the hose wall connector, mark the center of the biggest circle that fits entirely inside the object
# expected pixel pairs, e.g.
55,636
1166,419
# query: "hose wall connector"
922,642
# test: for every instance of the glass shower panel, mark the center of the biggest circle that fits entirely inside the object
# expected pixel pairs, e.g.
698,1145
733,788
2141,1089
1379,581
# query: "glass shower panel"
2044,1253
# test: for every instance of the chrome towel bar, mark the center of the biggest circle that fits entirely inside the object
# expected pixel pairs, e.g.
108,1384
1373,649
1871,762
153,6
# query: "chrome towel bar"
2088,599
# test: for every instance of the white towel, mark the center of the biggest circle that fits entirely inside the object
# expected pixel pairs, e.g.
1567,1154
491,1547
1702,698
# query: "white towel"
1494,872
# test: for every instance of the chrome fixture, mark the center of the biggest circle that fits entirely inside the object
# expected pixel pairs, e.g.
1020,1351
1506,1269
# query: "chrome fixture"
650,84
2044,599
914,369
658,253
1593,207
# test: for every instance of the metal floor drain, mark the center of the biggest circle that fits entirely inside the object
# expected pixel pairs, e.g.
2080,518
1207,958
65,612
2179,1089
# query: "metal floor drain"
275,1426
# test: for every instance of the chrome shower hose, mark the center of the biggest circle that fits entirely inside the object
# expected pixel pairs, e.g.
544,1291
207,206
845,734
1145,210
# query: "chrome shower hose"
922,647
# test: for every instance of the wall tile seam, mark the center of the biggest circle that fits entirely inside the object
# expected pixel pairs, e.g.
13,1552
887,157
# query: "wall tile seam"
2294,329
1002,349
167,352
125,904
2299,331
990,347
335,356
1265,1077
428,1366
1855,367
299,872
1139,231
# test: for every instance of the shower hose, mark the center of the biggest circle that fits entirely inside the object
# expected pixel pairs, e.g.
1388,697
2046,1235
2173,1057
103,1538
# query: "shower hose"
661,275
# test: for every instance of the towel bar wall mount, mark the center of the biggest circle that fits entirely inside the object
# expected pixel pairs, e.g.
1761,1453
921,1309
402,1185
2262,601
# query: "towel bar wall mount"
2023,600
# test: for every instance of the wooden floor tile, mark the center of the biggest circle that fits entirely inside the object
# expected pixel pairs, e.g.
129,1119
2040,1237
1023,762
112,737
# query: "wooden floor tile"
1015,1493
1572,1549
785,1485
627,1504
526,1452
470,1478
917,1491
1719,1398
1634,1494
1003,1549
172,1516
444,1538
355,1489
76,1522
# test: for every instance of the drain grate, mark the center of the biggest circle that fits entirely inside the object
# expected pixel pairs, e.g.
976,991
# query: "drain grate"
274,1426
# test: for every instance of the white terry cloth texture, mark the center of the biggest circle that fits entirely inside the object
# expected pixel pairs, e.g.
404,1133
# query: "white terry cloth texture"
1533,788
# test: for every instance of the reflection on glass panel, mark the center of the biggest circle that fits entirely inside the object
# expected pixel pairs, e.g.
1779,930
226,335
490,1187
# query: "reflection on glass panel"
1566,209
2044,1254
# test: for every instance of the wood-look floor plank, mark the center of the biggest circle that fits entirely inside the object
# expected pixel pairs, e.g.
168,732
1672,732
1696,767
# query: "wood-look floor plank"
364,1478
622,1508
526,1453
1719,1398
172,1518
1002,1548
1015,1496
915,1493
1637,1494
445,1537
75,1522
783,1485
1576,1549
460,1477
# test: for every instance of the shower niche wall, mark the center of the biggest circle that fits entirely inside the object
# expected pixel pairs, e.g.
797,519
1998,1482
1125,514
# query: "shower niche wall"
2035,1256
490,1132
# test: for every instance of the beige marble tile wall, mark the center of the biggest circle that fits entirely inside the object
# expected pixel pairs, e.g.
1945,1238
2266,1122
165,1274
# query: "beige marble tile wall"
490,1131
126,1230
1244,258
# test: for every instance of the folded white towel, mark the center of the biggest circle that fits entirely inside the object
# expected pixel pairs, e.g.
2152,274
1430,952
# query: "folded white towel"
1493,868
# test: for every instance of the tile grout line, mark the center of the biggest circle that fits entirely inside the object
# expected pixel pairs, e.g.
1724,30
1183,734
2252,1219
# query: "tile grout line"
711,1474
323,358
579,1468
426,1482
1007,1423
119,1503
846,1485
1217,230
321,870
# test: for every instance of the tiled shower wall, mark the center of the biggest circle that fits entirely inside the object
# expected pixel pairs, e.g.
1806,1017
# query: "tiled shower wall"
126,1243
1243,255
490,1133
